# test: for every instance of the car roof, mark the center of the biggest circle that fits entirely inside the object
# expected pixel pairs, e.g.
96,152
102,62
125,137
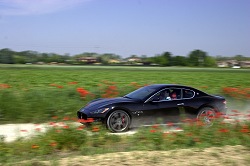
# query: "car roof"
169,85
162,86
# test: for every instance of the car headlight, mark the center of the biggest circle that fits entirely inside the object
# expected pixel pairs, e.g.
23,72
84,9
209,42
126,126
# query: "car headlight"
101,110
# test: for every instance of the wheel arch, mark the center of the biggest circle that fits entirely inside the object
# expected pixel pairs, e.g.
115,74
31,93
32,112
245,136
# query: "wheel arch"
207,105
119,108
106,119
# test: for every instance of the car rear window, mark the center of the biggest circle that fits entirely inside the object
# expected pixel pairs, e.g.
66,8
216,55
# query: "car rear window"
187,94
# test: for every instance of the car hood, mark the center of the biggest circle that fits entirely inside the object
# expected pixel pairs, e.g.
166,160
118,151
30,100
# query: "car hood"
99,103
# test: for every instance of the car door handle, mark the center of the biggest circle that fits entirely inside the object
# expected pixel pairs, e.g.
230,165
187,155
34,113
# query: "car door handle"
180,104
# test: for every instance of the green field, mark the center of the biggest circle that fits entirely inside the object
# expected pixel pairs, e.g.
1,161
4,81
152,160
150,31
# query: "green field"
50,94
36,76
35,93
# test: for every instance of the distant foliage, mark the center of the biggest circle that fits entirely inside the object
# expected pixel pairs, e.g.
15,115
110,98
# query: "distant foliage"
196,58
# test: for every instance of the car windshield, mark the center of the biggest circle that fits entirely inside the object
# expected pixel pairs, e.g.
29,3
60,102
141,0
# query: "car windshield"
142,93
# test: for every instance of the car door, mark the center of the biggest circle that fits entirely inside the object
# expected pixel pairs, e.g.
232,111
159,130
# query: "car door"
145,114
191,102
163,107
170,108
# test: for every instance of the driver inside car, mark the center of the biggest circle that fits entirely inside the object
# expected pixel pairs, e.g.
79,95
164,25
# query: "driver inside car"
165,95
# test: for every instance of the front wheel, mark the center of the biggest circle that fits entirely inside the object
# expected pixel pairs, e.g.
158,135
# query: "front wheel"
206,116
118,121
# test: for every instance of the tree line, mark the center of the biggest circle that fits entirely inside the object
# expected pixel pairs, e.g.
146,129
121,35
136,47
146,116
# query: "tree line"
194,58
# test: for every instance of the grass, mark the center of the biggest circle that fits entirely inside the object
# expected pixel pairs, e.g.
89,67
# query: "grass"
38,93
67,139
33,93
90,76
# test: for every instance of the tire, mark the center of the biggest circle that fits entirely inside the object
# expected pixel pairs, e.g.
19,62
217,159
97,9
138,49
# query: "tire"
118,121
206,116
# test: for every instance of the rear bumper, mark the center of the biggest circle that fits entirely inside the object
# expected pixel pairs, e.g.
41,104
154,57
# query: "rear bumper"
224,110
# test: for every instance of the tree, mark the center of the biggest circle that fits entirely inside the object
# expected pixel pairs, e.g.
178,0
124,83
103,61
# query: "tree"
240,58
105,58
19,59
197,58
7,56
30,56
179,61
167,57
158,59
209,61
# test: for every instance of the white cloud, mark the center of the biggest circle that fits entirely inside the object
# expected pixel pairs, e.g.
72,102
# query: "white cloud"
31,7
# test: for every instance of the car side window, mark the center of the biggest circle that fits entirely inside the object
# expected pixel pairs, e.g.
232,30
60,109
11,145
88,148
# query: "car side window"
165,95
162,95
187,94
175,94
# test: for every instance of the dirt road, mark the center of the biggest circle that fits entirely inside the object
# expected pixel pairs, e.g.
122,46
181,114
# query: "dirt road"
11,132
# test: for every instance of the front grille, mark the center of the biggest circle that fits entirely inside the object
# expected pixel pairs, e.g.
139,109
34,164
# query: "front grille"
81,115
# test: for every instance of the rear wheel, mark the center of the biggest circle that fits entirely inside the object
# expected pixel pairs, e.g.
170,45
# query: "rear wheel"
118,121
206,116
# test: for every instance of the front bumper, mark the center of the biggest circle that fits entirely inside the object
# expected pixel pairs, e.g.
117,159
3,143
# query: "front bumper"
84,118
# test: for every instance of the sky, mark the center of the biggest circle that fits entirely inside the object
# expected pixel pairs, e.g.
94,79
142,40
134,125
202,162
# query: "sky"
126,27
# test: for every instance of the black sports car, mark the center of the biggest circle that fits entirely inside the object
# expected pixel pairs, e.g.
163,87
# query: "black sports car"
153,104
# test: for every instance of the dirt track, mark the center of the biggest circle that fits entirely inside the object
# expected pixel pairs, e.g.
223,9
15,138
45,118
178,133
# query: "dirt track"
11,132
216,156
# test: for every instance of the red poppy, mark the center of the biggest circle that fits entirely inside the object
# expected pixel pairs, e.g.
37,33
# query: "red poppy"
189,134
178,128
152,131
89,120
38,129
66,127
95,129
82,92
235,111
197,140
166,133
66,118
245,130
61,123
224,130
189,121
205,87
219,114
34,146
54,117
74,119
155,126
53,144
4,86
170,124
80,128
24,130
72,83
58,131
245,126
199,123
52,123
110,91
